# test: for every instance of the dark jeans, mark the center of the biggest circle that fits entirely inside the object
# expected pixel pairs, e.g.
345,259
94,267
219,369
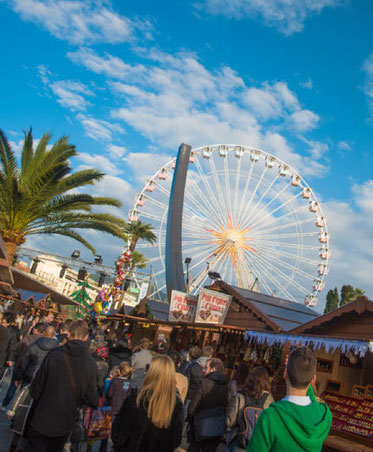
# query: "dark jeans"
36,442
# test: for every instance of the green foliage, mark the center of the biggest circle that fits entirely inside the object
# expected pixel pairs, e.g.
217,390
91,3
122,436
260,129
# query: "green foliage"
41,196
135,231
332,300
349,294
81,296
138,260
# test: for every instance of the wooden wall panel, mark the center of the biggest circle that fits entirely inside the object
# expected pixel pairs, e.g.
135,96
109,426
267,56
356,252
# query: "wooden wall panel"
244,319
353,326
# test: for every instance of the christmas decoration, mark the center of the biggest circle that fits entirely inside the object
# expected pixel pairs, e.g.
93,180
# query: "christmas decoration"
82,298
123,265
357,347
97,307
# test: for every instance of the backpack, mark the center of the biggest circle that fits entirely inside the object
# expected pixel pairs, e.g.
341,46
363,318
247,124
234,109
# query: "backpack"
250,414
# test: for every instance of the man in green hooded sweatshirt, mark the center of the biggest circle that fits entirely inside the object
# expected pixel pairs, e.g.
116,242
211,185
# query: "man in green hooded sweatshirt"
298,422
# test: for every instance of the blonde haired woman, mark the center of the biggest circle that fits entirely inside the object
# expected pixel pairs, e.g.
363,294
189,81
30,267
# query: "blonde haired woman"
151,421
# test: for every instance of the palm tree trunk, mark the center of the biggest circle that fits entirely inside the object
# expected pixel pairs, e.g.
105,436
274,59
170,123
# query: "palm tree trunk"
11,248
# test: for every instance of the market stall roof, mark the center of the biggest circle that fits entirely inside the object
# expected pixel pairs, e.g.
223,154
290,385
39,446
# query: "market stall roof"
277,313
353,320
24,281
36,296
160,310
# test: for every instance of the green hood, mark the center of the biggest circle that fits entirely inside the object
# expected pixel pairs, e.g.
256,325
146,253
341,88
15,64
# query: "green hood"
307,425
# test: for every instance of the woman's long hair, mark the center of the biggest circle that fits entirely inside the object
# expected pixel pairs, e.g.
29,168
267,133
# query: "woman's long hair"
158,392
257,382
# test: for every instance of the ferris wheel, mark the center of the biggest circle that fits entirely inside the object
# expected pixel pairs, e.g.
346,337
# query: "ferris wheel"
246,215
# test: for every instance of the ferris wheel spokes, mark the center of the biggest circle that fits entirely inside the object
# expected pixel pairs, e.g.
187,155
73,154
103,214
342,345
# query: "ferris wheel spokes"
218,186
248,219
282,275
234,195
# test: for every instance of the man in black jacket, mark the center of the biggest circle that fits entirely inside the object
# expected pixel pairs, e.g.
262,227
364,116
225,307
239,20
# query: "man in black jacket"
4,355
210,398
66,381
35,353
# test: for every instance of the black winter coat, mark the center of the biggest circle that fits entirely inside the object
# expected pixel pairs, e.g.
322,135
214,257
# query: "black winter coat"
134,432
211,393
119,390
118,354
4,343
194,373
102,371
14,338
66,381
33,358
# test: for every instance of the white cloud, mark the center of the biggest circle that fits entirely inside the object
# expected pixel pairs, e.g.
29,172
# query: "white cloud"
288,16
97,128
99,162
145,164
364,198
304,120
368,88
17,146
70,94
179,100
109,65
344,146
308,84
80,22
44,73
352,240
116,151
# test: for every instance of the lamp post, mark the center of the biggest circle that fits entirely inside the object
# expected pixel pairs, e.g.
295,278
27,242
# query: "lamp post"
187,262
34,265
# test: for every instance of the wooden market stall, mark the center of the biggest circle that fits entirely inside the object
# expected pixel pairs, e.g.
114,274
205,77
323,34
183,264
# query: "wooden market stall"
247,311
345,379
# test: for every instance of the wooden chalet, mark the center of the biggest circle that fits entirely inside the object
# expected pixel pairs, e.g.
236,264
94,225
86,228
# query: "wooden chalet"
345,380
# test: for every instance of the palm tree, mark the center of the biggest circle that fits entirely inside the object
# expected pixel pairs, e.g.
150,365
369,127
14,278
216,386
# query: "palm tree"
138,260
40,196
135,231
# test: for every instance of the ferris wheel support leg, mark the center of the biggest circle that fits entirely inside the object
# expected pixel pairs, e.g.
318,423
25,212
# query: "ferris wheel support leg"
174,258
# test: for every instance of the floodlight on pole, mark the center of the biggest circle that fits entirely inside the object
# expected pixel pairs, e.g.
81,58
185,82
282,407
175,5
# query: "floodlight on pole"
187,262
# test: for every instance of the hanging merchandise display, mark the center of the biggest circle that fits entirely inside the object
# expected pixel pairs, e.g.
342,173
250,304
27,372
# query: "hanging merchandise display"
359,348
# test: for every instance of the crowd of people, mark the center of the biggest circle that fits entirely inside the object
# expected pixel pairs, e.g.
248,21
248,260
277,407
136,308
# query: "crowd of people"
157,400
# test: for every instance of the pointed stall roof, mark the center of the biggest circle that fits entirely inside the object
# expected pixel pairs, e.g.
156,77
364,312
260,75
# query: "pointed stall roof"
353,320
277,313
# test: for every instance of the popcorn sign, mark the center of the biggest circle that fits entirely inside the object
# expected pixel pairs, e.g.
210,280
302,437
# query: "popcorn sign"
183,307
212,306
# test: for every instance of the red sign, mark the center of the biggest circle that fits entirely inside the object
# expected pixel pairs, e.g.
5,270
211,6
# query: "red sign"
183,307
212,306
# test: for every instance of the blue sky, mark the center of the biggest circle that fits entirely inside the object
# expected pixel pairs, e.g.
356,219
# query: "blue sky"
128,81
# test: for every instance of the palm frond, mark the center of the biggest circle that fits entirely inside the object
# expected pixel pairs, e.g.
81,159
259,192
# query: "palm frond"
7,157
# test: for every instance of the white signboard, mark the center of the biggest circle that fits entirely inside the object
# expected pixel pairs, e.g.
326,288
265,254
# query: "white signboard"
183,307
212,306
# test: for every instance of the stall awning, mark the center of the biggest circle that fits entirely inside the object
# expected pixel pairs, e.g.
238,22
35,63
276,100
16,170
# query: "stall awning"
330,344
23,281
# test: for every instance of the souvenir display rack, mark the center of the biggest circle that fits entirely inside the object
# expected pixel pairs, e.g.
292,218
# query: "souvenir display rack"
350,414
